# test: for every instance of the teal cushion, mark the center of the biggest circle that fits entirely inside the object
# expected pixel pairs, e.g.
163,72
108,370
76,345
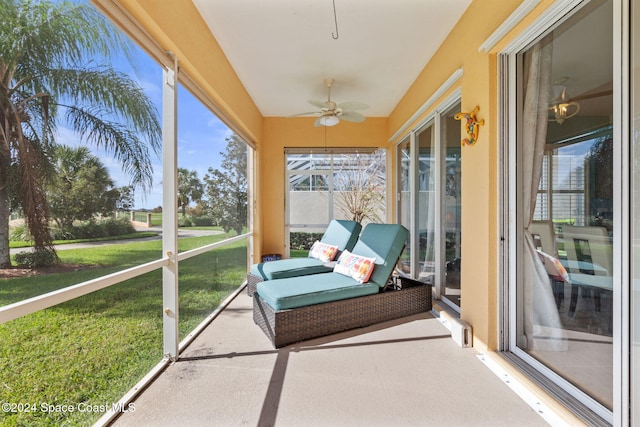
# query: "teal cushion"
291,267
342,233
385,243
295,292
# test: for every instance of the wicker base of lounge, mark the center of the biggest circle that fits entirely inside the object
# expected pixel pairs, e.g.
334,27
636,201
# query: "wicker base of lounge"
252,283
294,325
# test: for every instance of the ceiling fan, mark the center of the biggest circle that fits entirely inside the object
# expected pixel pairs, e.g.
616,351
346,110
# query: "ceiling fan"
331,113
564,107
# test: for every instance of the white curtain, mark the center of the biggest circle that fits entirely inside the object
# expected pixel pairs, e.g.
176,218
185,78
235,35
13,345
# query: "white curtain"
542,326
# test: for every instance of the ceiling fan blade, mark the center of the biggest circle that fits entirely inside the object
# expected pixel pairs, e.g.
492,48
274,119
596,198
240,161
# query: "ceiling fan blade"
592,95
353,106
352,116
306,114
319,104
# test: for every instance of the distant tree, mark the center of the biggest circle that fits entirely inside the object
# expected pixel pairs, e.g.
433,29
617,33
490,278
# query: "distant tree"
81,188
360,186
599,164
198,209
126,198
190,188
226,188
47,68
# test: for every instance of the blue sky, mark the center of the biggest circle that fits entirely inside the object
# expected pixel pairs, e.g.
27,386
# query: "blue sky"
201,136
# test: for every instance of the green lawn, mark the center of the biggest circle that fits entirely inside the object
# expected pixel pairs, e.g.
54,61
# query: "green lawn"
92,350
296,253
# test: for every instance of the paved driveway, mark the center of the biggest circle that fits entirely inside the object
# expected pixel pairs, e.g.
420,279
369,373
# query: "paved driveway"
182,232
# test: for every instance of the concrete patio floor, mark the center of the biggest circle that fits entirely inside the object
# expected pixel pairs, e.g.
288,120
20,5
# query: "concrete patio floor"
401,373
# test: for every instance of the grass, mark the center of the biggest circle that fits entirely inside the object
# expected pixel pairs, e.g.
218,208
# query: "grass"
296,253
92,350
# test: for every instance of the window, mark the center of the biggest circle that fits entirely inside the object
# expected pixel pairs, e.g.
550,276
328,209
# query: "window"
334,184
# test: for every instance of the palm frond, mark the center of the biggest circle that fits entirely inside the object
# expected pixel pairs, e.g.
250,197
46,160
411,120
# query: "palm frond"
114,92
117,139
45,33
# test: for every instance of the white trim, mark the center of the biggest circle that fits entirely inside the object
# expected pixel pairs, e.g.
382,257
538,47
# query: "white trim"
513,20
170,296
40,302
503,260
512,259
119,16
548,414
206,248
557,11
414,194
429,103
622,209
439,255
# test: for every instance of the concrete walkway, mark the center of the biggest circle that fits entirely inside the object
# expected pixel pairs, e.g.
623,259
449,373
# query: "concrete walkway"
407,372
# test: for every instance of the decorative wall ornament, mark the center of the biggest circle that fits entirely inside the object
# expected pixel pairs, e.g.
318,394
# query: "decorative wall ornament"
472,125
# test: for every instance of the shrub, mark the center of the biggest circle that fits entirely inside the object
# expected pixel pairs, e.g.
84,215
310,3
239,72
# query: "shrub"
117,227
19,233
36,259
184,222
202,221
92,229
58,233
303,241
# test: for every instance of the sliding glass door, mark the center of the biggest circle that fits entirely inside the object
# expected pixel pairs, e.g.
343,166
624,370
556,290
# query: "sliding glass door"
565,212
429,203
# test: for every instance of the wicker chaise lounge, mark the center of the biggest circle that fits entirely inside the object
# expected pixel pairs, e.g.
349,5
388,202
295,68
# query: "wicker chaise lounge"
340,233
299,308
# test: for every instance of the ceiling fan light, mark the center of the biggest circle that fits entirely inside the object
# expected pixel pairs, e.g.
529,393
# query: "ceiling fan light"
329,121
558,92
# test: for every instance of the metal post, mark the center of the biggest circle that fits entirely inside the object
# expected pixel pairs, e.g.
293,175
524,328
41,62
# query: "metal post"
170,212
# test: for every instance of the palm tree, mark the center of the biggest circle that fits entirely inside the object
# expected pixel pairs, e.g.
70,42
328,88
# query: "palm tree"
48,70
81,189
190,188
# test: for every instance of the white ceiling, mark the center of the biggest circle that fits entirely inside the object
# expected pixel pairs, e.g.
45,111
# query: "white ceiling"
282,50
